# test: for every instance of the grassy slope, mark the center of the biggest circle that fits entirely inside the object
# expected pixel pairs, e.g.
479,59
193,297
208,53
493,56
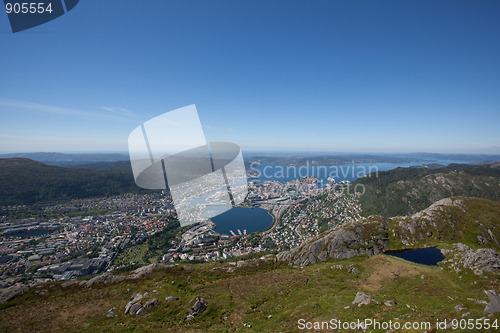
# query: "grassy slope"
454,225
250,295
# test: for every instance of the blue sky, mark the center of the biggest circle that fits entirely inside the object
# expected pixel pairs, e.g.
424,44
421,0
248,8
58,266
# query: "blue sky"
357,76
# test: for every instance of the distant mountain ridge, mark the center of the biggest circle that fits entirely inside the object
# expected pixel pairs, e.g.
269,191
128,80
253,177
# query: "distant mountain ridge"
69,160
24,181
320,160
349,158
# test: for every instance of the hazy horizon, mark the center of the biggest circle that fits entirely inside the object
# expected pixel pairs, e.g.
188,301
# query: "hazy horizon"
253,152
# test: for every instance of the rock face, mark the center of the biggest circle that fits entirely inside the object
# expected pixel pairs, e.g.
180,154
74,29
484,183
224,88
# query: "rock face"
494,305
432,222
478,261
481,260
99,278
145,270
10,293
363,299
355,239
140,272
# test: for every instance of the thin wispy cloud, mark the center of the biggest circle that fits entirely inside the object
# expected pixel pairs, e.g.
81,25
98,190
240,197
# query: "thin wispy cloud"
59,110
214,128
120,111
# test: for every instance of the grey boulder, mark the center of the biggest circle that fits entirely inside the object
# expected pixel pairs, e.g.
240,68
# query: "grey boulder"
494,305
141,311
150,304
390,303
128,306
363,299
199,306
135,307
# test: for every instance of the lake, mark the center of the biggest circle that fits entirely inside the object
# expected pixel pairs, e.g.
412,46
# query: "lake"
427,256
249,219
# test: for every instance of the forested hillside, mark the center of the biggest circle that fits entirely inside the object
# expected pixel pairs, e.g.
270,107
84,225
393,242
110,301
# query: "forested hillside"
24,181
406,191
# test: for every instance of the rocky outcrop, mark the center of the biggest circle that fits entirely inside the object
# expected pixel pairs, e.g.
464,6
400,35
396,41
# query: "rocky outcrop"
353,270
10,293
414,230
232,266
108,277
494,305
99,278
146,270
128,306
150,304
111,313
479,261
135,307
141,311
200,305
355,239
136,297
363,299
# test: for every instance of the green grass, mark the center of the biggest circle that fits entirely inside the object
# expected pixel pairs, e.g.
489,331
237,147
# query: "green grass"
250,295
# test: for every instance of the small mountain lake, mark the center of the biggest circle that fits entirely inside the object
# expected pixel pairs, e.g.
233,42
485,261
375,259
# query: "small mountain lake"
238,218
426,256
